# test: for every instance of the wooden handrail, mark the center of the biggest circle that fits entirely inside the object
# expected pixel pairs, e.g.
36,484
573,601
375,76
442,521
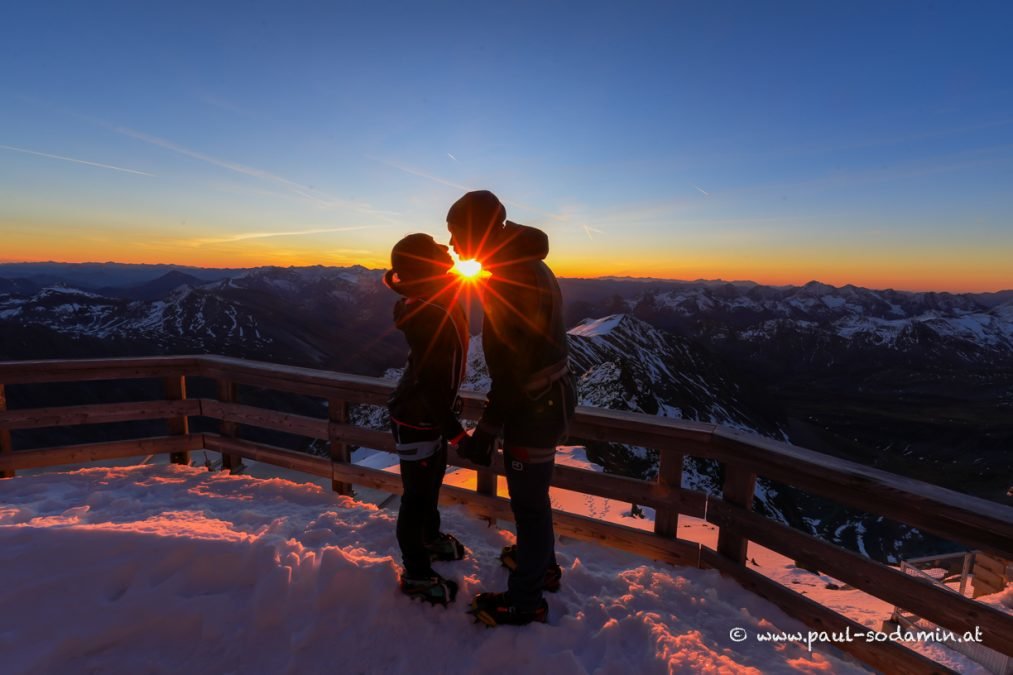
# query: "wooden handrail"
82,370
101,413
93,452
958,517
971,521
935,603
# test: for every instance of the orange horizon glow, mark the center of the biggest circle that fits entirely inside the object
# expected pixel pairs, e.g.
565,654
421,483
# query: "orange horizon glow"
968,269
771,273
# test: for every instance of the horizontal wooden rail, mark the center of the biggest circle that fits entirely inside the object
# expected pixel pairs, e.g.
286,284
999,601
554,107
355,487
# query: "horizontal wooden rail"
631,490
618,536
83,370
928,600
96,413
307,381
631,540
969,520
268,454
610,486
94,452
588,423
976,522
311,427
649,431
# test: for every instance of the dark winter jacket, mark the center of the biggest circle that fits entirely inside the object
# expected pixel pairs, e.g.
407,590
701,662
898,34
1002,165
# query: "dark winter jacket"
437,334
523,334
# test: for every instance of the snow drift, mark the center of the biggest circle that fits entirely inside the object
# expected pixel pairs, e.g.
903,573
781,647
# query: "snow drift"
165,569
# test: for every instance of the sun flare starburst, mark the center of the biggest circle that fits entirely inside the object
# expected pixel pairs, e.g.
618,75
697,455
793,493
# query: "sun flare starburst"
470,270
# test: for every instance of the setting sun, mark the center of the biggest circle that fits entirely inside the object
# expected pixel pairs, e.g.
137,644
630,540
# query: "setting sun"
469,269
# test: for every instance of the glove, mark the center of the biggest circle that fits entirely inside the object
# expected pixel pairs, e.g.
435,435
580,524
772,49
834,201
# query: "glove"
452,430
477,448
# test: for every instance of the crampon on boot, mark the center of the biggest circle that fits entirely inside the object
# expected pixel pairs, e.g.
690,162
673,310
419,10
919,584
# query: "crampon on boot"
553,574
496,609
445,547
431,587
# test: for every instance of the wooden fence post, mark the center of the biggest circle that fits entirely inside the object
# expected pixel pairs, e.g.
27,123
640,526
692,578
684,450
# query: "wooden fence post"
227,394
738,488
337,413
485,482
6,447
666,522
175,390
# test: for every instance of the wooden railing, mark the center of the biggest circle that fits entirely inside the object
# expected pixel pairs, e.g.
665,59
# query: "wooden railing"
975,523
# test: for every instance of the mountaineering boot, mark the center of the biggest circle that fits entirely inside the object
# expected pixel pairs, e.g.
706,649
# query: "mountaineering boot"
445,547
497,609
553,574
430,587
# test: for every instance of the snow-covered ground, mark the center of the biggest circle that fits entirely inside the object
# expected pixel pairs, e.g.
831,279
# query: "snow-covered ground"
166,569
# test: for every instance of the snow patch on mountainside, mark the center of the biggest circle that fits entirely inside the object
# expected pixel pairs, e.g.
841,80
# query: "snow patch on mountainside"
597,327
884,318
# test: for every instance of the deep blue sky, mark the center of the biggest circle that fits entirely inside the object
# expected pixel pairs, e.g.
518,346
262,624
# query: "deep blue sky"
869,143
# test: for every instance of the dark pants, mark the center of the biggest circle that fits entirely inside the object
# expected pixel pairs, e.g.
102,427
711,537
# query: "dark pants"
536,543
418,519
530,438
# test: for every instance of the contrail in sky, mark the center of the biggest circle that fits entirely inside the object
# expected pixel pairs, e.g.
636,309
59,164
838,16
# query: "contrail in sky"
702,191
451,157
76,161
263,235
420,174
296,188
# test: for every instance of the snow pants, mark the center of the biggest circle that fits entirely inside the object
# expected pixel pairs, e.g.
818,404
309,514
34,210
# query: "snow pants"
423,463
529,453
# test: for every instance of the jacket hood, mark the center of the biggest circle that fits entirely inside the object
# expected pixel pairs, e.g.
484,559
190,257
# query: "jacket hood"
520,243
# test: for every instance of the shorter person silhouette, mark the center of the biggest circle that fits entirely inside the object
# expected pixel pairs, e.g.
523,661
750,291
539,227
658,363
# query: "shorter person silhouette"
424,407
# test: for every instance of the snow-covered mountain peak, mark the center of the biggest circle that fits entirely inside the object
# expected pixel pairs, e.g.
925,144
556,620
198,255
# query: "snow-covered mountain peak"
59,290
624,363
949,325
598,327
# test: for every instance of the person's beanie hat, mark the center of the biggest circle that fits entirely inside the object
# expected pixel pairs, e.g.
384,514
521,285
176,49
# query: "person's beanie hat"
479,211
418,257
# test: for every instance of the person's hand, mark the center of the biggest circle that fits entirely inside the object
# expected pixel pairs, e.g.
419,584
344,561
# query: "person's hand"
452,430
477,448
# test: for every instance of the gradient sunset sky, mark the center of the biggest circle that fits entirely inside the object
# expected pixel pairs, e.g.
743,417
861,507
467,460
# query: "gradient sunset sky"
850,142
